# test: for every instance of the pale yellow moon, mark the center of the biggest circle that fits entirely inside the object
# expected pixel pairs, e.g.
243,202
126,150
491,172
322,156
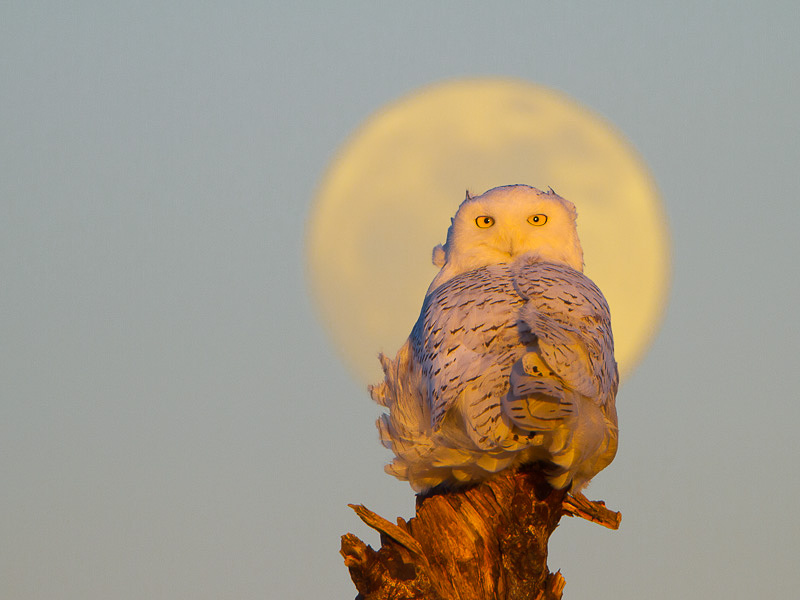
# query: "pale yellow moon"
388,195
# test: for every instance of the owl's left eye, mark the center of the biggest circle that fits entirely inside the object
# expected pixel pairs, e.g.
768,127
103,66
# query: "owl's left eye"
537,220
484,221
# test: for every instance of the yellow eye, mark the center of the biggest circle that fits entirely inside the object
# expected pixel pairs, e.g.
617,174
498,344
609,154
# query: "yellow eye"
537,220
484,221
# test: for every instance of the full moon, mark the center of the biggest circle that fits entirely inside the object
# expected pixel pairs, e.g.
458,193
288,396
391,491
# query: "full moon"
388,195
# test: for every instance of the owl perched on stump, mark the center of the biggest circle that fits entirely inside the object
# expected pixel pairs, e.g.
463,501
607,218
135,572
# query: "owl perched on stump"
512,358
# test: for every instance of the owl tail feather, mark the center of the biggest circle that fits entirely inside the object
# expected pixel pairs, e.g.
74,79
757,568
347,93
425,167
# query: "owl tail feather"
536,401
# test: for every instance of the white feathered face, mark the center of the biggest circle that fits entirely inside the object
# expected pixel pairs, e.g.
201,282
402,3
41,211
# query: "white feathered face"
507,222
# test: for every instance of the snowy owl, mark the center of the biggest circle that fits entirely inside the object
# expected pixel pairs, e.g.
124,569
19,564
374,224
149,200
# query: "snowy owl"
512,358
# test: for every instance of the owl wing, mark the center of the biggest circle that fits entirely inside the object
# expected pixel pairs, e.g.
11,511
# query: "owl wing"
570,348
466,342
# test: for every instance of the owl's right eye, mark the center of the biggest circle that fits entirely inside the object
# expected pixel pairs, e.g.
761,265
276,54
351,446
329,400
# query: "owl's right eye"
484,221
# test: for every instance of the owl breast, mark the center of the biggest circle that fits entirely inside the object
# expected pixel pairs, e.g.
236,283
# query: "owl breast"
467,339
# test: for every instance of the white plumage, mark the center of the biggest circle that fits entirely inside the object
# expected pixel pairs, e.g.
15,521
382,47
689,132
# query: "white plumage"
512,358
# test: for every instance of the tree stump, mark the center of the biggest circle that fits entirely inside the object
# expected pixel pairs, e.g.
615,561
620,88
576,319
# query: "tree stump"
483,542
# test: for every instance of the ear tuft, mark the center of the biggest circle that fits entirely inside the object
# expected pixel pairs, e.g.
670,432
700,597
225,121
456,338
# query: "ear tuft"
438,255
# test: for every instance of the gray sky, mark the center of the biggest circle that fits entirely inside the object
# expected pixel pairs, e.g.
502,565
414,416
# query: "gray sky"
174,422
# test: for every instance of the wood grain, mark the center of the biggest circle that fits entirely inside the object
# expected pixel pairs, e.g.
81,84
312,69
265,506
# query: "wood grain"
483,542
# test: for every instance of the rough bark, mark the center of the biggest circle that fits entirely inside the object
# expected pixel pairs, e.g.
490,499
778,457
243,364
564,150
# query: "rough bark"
483,542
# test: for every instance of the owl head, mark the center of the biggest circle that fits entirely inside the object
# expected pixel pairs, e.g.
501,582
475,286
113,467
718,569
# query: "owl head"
505,223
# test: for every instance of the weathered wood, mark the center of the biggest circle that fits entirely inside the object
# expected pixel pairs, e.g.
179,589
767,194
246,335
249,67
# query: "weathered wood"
483,542
577,505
